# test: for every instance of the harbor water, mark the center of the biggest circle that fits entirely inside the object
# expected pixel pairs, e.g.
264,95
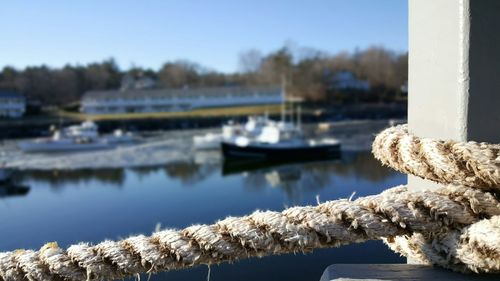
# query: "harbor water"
93,205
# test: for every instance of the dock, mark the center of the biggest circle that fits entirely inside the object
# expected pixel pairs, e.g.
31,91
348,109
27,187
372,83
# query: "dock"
397,272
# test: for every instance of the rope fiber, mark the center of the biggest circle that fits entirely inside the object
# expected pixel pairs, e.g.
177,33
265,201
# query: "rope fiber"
456,226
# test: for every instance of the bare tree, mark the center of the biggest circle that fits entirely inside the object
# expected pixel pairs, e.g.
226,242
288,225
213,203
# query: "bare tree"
179,74
249,61
308,71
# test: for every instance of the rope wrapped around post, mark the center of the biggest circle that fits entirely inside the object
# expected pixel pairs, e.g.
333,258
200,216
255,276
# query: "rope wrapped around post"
474,248
405,218
471,164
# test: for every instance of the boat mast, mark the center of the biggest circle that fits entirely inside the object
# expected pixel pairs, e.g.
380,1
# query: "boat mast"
299,116
283,98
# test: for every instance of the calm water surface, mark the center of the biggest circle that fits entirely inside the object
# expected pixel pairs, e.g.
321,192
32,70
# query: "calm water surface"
86,205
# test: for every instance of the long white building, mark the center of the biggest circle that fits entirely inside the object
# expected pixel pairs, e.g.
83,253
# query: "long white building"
12,104
165,100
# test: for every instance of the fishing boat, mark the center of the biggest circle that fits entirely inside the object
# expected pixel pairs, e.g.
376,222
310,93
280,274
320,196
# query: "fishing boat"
78,138
281,142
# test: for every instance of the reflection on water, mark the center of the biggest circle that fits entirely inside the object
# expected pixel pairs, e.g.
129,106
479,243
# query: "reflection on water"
65,178
361,165
189,172
66,206
299,178
257,175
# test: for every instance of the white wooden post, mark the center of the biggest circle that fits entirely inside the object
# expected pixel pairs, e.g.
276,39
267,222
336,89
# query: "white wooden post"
454,71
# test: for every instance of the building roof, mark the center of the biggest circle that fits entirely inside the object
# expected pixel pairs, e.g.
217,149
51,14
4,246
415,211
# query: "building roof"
10,94
152,93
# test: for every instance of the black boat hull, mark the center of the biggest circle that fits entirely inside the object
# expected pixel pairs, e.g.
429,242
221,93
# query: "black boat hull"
232,151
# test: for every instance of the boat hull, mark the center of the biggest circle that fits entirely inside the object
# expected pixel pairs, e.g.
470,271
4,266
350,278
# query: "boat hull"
324,151
47,147
5,175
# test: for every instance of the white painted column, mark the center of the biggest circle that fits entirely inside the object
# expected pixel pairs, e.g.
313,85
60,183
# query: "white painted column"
454,71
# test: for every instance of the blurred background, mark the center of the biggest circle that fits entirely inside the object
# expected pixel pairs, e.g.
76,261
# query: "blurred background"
117,117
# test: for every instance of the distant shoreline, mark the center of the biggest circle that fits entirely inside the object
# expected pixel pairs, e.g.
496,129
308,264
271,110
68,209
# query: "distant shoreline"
37,125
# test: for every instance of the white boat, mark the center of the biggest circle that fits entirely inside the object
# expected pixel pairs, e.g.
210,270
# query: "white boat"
280,142
77,138
252,128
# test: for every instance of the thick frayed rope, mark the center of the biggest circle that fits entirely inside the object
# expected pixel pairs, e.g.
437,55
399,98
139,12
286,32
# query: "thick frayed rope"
477,165
395,212
476,248
448,162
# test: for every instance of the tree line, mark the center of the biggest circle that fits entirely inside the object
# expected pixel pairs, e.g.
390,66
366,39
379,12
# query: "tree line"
308,74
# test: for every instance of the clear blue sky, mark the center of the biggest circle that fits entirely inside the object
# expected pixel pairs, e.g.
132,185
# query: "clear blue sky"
211,32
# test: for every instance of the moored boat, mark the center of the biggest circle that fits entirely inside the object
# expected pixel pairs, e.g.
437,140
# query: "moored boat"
281,142
77,138
57,144
5,174
283,151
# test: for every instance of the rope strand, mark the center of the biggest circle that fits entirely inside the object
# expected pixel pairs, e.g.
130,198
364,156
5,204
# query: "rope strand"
470,164
475,248
395,212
